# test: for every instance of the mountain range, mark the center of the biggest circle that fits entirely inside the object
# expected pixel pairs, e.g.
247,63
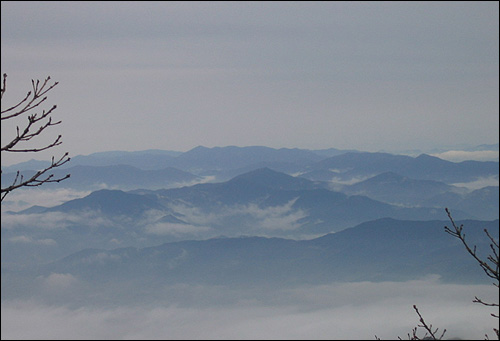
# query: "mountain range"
260,202
380,250
363,165
224,163
252,215
389,187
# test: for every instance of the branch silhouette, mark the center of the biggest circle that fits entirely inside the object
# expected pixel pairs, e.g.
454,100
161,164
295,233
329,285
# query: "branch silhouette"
36,124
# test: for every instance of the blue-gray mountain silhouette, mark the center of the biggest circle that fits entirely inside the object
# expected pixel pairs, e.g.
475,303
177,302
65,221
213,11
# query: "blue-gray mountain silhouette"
380,250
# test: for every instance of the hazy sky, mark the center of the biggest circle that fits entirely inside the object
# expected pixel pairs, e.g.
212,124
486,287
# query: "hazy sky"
175,75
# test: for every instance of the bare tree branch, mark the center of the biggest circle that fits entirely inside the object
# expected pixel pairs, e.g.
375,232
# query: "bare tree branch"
430,334
487,268
31,103
491,270
36,125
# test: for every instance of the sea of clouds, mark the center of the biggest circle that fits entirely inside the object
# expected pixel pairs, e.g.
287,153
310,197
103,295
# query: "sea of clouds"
337,311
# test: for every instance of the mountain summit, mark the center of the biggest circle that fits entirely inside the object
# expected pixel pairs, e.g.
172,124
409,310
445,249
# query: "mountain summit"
267,177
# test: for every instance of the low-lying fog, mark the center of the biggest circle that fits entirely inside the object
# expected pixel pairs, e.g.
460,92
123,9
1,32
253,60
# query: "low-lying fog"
338,311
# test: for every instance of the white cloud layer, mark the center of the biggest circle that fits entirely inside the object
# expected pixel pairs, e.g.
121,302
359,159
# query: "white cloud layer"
338,311
479,183
280,217
56,281
29,240
24,198
462,155
54,220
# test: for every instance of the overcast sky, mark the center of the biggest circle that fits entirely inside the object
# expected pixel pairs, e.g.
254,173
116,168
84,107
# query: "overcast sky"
174,75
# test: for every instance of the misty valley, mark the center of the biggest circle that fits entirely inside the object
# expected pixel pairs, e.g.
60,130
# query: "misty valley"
255,232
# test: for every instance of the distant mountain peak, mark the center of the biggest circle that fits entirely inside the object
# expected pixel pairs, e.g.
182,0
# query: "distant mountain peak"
198,148
424,156
260,174
273,179
111,202
430,158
